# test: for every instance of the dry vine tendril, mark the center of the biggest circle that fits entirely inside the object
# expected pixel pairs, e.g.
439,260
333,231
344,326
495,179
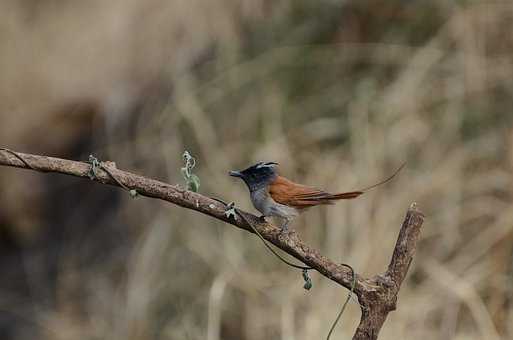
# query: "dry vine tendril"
15,154
353,284
192,181
96,164
231,210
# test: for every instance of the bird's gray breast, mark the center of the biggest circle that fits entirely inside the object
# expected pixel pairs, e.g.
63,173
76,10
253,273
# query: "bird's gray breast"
264,203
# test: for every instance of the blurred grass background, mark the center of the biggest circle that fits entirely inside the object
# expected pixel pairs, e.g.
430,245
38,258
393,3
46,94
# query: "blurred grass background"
340,93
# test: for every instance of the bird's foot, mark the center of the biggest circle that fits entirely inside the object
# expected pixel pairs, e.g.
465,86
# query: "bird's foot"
284,229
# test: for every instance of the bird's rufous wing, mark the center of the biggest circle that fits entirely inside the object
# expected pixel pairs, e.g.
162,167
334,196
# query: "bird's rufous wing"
300,196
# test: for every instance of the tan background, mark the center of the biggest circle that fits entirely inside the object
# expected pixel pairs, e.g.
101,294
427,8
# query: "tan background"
339,93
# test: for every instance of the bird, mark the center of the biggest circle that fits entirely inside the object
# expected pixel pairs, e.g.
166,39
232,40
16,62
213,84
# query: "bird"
276,196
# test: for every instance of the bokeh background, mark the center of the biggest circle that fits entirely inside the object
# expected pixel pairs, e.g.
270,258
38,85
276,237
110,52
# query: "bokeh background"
340,93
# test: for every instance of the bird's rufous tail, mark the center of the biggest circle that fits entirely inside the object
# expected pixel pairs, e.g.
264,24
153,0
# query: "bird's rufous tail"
354,194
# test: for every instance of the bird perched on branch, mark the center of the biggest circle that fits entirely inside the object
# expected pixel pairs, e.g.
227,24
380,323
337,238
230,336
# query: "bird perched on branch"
274,195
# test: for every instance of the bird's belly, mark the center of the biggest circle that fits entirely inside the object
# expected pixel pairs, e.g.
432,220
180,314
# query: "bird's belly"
283,211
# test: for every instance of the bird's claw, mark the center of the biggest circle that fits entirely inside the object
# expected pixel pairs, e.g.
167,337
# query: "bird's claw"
284,229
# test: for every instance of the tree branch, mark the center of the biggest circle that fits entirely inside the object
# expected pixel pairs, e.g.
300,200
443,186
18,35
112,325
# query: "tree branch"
377,295
377,303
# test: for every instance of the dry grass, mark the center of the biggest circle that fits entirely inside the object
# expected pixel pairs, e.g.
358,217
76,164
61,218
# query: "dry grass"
334,105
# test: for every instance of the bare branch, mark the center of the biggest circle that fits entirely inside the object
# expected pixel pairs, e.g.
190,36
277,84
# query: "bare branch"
405,246
377,295
377,303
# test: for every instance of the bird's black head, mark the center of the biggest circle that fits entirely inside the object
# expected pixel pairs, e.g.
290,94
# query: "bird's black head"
257,176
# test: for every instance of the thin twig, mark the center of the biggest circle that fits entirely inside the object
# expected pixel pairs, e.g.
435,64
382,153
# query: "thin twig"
339,315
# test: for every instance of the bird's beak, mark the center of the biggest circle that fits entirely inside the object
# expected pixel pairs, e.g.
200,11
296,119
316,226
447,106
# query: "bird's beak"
235,173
